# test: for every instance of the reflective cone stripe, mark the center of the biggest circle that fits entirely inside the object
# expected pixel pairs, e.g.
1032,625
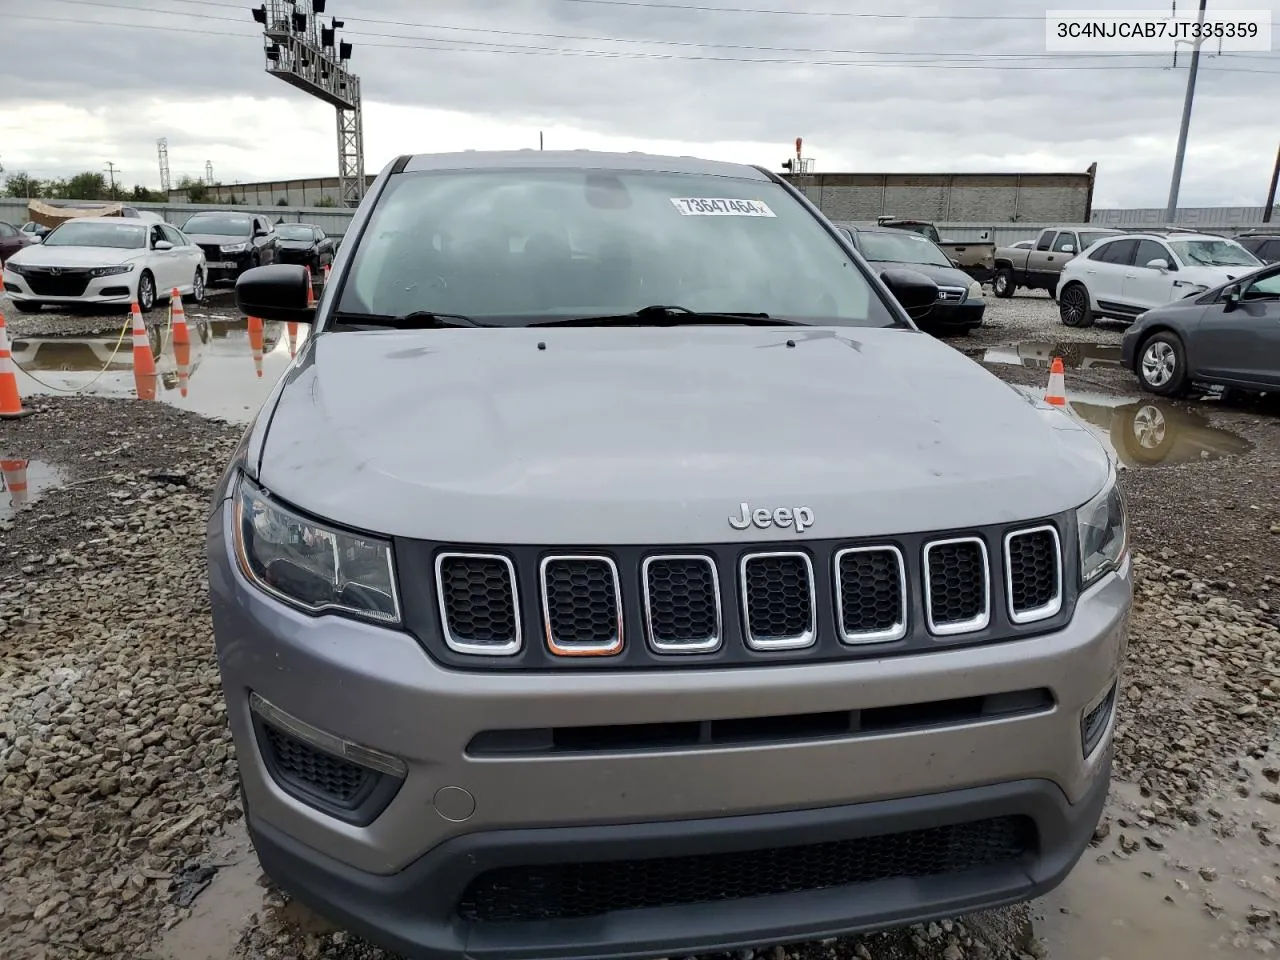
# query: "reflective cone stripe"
1057,392
11,407
143,362
182,355
144,384
180,332
255,342
292,329
15,480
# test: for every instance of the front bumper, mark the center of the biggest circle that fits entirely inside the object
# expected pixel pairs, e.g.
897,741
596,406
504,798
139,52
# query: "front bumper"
399,876
226,266
965,315
118,289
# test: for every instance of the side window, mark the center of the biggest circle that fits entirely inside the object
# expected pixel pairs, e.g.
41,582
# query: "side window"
7,231
1066,239
172,235
1149,250
1269,251
1046,238
319,234
156,236
1268,288
1119,252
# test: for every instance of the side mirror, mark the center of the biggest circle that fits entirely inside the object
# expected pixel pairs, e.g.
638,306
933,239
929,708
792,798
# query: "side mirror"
37,238
913,290
1068,248
1230,298
1159,263
163,245
278,291
845,232
955,263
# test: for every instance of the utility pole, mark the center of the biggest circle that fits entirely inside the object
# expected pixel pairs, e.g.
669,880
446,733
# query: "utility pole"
1171,211
1271,194
111,167
166,184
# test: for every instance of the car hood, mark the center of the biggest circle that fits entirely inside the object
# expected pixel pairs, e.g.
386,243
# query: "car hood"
942,276
652,435
39,255
216,240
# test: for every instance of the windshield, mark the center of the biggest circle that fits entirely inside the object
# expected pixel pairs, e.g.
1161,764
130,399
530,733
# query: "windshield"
220,225
1088,239
104,233
287,231
517,246
1214,253
901,248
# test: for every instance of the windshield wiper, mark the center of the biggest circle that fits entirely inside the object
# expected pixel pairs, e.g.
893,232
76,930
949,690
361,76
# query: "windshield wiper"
417,320
663,315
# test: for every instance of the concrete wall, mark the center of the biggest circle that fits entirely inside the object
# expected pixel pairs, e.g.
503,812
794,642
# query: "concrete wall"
952,197
295,193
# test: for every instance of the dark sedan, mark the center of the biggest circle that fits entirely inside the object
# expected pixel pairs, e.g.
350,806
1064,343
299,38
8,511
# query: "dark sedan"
960,304
1263,244
1227,336
304,243
12,240
233,242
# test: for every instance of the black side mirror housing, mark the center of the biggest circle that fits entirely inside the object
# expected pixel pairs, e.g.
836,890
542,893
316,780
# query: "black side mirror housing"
1230,297
912,289
278,291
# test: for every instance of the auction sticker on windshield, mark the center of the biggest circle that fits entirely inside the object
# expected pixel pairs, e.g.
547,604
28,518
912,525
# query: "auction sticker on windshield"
721,207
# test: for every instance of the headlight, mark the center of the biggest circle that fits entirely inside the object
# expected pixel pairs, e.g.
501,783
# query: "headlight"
1103,537
234,248
111,271
310,565
14,268
975,291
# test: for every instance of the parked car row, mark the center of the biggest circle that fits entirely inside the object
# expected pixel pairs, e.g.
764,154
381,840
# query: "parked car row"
112,260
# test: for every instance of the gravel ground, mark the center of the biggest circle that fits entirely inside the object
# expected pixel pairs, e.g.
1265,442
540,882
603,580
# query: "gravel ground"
117,773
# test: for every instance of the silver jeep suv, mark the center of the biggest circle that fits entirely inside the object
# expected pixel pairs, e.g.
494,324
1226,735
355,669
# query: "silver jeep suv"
618,572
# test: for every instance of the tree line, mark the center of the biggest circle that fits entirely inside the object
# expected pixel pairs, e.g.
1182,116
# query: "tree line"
92,185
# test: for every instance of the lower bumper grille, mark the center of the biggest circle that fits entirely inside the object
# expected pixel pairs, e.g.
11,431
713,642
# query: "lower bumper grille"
579,890
67,285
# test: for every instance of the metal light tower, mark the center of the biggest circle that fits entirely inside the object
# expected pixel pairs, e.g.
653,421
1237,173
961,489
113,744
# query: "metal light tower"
307,55
162,146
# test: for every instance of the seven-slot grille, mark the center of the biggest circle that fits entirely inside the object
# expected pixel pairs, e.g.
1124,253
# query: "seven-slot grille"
67,282
682,607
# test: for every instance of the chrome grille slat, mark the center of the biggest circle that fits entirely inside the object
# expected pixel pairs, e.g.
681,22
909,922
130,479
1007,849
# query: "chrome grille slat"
957,585
870,594
479,603
681,603
1033,573
581,604
779,609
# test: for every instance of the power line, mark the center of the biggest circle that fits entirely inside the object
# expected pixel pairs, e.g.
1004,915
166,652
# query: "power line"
433,44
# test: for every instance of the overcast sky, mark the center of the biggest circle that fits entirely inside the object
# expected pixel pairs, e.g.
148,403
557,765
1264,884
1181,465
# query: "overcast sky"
84,82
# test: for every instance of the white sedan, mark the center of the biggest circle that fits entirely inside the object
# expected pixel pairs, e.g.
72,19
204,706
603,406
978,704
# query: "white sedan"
105,260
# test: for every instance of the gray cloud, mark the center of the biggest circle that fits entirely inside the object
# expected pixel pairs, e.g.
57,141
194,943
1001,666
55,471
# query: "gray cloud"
1032,113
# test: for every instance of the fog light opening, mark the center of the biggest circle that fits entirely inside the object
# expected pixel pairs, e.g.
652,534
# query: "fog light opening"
1094,719
328,742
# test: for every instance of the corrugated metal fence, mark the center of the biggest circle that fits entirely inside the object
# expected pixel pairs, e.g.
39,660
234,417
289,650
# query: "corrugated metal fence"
334,220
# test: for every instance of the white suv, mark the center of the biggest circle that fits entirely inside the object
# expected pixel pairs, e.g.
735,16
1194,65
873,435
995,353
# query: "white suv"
1120,277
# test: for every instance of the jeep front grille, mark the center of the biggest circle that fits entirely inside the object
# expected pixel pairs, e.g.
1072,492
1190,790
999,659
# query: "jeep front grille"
582,604
871,589
1033,573
478,603
957,586
777,600
681,603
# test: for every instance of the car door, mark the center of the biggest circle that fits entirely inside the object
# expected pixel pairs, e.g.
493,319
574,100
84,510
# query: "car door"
1240,342
1065,246
1105,269
1146,287
164,263
10,241
1038,259
266,241
186,256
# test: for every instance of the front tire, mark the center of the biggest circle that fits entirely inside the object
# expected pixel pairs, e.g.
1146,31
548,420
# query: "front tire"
1074,308
197,287
1003,284
27,306
1162,365
146,292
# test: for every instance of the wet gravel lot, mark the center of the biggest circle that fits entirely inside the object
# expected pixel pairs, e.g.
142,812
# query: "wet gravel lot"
123,834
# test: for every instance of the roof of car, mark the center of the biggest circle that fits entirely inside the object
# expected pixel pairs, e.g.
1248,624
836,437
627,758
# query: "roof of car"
127,221
858,227
1172,234
578,159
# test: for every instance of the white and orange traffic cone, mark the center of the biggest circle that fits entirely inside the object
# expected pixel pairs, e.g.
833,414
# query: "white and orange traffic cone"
145,385
143,362
1056,394
291,329
325,281
181,341
11,407
178,317
14,472
255,342
311,289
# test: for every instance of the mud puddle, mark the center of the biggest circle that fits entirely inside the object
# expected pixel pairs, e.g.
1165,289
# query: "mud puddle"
22,481
1156,889
1145,432
226,372
1039,354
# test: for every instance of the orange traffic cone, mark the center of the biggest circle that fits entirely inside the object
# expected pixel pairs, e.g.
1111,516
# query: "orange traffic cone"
255,343
145,384
11,407
292,329
1057,392
179,316
14,472
182,356
326,275
143,362
311,290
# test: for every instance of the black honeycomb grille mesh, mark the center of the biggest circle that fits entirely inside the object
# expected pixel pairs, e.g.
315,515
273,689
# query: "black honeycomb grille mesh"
871,598
315,771
578,890
682,600
779,598
957,582
1033,570
582,602
479,600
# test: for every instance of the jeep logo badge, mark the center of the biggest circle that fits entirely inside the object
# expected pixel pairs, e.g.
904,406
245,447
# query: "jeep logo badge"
799,517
